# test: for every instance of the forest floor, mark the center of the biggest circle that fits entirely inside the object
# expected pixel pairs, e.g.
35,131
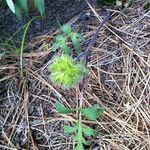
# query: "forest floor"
118,80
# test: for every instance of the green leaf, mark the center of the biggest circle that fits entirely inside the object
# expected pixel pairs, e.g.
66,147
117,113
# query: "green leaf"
93,112
62,109
66,29
11,5
69,129
66,49
23,5
61,41
79,135
18,11
76,44
39,4
79,146
89,132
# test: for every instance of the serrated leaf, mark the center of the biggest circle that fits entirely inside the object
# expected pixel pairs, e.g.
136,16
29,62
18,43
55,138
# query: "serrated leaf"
66,49
39,4
88,131
11,5
62,109
61,42
93,112
79,146
69,129
23,5
76,44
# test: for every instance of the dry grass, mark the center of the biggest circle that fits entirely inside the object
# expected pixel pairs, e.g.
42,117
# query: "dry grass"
119,80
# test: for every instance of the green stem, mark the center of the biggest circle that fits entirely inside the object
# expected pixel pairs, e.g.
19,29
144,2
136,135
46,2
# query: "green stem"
22,47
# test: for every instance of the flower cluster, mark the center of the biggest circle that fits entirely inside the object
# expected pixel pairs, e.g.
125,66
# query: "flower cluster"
66,72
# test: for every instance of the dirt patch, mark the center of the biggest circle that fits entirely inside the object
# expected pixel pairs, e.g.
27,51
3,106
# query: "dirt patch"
64,9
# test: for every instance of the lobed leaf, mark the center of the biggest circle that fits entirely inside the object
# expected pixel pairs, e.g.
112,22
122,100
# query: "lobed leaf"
69,129
62,109
93,112
61,42
89,132
66,49
66,29
76,44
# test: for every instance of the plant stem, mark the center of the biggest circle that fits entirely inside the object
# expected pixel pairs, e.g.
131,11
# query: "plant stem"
22,47
87,51
86,54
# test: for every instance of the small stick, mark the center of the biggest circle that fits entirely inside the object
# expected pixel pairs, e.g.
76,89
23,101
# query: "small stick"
87,51
86,54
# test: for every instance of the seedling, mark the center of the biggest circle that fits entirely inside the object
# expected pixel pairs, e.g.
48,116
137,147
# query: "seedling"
62,40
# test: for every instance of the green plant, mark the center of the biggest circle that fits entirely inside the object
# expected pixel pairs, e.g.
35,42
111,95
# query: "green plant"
74,36
61,42
81,131
20,6
68,34
66,72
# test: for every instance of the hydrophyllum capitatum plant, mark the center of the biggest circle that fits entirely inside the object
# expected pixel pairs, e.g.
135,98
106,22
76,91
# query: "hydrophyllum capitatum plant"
66,72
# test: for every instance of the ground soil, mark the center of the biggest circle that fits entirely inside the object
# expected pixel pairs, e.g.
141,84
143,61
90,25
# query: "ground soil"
63,9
